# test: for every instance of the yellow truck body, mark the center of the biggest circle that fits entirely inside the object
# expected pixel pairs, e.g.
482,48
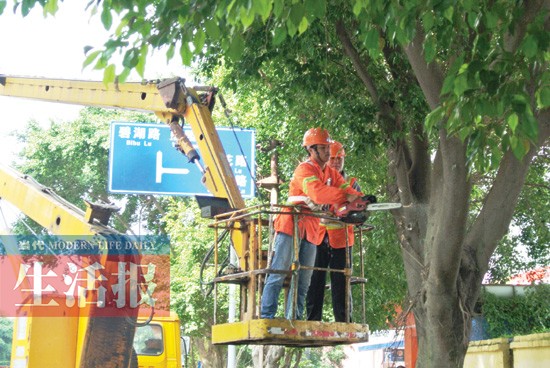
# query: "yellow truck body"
158,344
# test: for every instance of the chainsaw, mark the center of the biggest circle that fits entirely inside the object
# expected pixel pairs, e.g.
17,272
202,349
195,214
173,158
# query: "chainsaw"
355,212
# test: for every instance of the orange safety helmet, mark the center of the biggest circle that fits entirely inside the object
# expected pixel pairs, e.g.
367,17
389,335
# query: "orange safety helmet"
337,150
316,136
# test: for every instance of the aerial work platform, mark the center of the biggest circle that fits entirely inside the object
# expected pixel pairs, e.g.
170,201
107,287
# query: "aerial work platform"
249,328
289,333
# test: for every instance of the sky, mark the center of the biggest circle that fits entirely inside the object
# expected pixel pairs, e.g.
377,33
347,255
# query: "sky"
53,47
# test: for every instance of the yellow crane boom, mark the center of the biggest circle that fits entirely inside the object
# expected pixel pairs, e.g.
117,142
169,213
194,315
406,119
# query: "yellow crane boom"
169,99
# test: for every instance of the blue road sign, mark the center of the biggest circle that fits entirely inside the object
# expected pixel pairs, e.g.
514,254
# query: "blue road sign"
143,160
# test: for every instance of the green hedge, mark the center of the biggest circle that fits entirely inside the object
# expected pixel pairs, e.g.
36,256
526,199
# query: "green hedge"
517,315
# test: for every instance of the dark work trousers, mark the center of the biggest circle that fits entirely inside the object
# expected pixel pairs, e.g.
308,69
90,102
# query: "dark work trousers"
335,259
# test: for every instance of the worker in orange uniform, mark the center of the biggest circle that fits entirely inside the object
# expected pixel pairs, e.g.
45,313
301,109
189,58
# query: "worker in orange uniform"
314,183
331,253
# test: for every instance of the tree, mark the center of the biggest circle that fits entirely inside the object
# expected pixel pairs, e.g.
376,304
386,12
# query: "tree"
6,332
476,81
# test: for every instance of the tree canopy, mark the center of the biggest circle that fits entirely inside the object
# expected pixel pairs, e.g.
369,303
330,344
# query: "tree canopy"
453,92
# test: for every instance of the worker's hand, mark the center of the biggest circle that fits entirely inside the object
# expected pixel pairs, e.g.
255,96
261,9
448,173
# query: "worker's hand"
314,206
351,197
370,198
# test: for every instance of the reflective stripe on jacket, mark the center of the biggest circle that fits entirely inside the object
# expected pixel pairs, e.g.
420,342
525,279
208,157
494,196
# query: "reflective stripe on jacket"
322,186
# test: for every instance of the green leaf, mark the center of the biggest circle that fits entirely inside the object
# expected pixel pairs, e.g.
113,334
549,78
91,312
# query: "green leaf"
236,48
90,58
434,117
468,4
317,8
212,29
428,20
186,54
26,7
454,121
3,4
519,147
490,19
130,58
279,35
496,155
229,7
50,7
543,97
463,133
198,40
430,45
291,27
278,6
140,67
372,40
529,46
101,62
297,12
519,103
109,74
529,126
124,75
448,13
486,107
513,121
448,84
461,84
247,17
170,52
303,25
106,17
473,19
357,7
263,8
123,23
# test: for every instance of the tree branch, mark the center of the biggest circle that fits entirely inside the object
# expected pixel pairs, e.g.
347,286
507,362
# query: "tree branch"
360,69
419,172
400,155
450,187
420,164
488,228
429,76
532,9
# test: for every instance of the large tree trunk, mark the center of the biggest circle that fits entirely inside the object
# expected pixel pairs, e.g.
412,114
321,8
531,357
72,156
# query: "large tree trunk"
268,356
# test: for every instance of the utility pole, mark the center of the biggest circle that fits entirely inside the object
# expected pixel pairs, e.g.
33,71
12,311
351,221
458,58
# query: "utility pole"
272,182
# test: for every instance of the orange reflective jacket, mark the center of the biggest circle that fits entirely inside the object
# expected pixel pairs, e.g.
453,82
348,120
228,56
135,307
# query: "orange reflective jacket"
322,186
337,230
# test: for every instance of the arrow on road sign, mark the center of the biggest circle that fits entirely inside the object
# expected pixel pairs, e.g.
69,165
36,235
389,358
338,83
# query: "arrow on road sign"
166,170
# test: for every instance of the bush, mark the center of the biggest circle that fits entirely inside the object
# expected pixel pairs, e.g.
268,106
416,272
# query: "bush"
517,315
